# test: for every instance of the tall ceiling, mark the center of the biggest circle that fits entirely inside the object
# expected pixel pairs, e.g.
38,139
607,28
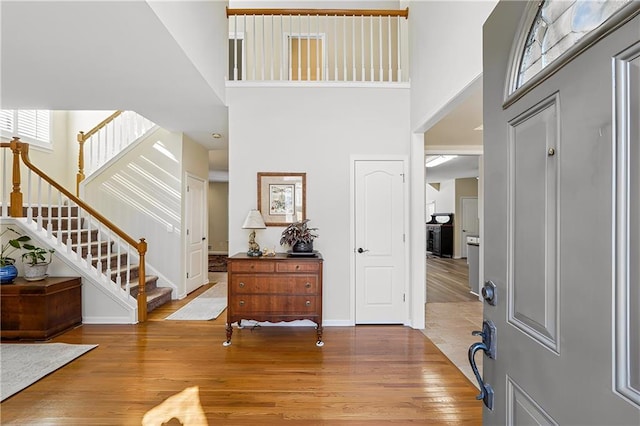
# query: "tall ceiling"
93,55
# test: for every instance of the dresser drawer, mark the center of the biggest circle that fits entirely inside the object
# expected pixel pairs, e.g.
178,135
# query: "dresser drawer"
297,266
251,266
274,284
263,304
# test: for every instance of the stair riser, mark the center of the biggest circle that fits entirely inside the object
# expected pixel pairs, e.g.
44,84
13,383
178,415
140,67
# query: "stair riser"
84,236
133,274
153,304
111,261
52,211
63,224
150,284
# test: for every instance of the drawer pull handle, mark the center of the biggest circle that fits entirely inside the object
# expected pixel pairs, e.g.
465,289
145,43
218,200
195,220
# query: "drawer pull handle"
297,267
308,285
308,303
242,303
241,285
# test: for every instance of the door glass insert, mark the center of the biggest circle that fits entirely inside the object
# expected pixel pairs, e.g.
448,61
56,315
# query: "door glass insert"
557,26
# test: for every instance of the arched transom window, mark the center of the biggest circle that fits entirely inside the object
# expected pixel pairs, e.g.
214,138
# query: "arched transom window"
558,25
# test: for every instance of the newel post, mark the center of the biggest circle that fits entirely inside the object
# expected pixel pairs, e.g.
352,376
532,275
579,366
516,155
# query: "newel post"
16,195
80,174
142,292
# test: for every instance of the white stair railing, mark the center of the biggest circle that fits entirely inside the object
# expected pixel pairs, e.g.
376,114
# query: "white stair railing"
102,143
76,230
318,45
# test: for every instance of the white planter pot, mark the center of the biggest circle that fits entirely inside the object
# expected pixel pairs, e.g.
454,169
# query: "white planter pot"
35,272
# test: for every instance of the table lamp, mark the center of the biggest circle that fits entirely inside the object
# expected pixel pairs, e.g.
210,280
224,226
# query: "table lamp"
253,221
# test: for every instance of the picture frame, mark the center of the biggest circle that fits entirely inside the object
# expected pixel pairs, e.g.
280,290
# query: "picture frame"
282,197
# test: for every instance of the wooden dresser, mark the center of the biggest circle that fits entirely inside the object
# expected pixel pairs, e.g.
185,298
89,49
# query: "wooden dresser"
274,289
40,310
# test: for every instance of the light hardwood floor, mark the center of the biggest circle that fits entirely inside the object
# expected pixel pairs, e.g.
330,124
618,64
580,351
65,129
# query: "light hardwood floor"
448,280
452,312
269,376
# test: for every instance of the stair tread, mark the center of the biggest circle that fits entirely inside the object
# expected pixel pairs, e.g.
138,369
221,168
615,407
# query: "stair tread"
147,278
158,292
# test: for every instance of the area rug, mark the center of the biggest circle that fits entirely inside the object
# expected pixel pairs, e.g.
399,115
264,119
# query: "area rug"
24,364
207,306
218,263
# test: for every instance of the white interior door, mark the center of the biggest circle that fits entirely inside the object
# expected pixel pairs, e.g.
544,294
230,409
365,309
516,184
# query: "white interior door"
470,224
379,242
197,263
558,184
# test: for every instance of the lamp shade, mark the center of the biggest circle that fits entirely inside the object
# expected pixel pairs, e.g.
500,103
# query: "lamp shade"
254,220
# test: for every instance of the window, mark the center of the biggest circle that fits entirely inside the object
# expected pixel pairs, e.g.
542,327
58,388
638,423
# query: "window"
306,57
236,56
30,125
559,25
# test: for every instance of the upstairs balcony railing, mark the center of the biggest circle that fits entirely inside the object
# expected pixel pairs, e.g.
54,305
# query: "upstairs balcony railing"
318,45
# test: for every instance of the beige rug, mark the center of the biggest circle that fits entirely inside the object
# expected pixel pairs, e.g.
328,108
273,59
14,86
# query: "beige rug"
205,307
24,364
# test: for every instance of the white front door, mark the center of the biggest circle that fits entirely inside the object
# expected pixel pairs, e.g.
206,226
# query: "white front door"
561,226
197,253
470,224
379,242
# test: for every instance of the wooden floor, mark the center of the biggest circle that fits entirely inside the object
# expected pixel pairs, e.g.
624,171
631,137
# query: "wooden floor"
448,280
364,375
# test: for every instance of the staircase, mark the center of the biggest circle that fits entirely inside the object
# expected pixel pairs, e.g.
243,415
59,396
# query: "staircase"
69,228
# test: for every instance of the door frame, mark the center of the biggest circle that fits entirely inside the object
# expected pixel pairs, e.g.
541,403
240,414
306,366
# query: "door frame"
352,231
464,150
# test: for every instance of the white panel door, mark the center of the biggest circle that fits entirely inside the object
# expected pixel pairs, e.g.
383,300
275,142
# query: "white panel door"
552,206
379,238
197,254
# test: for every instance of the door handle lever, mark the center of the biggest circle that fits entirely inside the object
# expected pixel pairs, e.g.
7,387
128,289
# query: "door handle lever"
488,345
361,250
486,391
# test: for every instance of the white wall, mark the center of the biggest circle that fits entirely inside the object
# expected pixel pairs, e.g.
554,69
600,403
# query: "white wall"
446,52
313,130
141,194
445,198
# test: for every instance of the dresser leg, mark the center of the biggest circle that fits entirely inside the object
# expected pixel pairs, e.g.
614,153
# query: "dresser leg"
229,333
319,342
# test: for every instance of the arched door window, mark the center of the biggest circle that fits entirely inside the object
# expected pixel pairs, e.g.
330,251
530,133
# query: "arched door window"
559,25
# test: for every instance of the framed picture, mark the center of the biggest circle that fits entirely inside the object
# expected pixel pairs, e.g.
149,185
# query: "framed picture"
282,197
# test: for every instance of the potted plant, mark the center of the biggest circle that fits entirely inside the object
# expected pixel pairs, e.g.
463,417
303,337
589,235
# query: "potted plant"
299,237
35,262
8,271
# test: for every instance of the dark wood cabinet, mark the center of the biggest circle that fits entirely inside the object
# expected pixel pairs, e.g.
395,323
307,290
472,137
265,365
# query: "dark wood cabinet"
40,310
440,235
278,288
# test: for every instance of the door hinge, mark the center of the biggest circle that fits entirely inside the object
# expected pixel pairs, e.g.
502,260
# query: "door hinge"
404,238
402,174
404,297
187,188
187,232
187,275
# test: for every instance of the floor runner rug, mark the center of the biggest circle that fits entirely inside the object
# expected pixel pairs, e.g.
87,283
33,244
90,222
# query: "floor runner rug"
24,364
207,306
